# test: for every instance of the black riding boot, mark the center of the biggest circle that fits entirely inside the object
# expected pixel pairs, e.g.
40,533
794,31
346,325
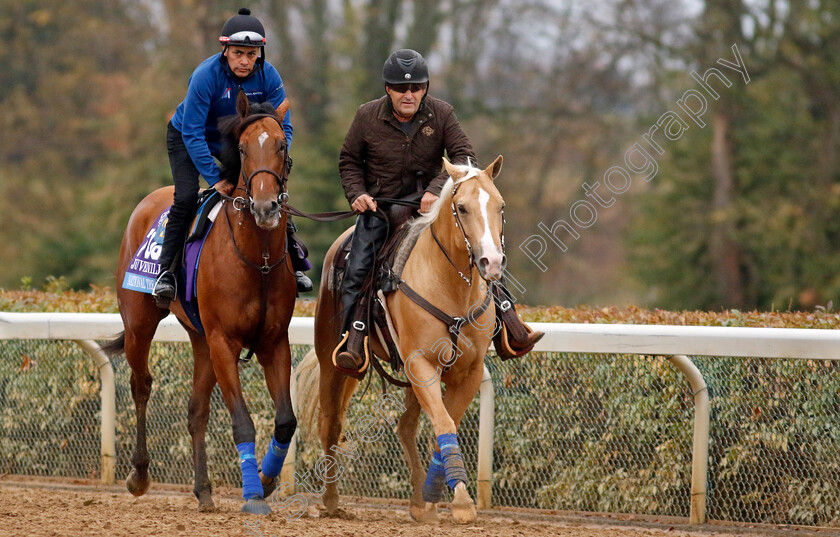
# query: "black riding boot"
351,356
170,255
299,254
513,338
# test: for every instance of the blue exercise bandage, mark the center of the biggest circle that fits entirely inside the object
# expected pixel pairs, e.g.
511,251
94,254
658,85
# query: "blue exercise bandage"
251,486
452,460
272,463
435,479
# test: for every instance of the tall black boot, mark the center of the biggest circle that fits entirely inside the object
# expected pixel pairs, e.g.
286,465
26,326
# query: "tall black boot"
351,355
170,257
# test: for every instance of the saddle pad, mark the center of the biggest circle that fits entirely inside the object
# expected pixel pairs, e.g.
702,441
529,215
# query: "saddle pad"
144,268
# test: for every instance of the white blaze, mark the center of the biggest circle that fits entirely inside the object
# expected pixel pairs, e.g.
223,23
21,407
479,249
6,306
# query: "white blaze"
263,138
488,247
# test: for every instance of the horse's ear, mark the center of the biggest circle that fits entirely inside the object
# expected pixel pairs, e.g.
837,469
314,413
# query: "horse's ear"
283,108
451,170
243,107
494,169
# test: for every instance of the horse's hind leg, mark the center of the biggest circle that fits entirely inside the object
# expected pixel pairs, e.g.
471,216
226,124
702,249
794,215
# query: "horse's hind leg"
335,391
420,510
137,344
204,379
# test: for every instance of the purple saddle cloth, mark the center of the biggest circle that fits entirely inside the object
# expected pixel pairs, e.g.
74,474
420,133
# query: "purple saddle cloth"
144,268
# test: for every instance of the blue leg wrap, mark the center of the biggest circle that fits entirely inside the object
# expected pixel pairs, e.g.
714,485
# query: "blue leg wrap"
435,480
251,486
452,460
272,463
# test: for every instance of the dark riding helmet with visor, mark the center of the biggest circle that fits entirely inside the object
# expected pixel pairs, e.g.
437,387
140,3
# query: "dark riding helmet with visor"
245,31
405,66
404,69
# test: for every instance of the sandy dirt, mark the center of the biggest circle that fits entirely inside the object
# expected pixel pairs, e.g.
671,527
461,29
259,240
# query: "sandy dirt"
36,507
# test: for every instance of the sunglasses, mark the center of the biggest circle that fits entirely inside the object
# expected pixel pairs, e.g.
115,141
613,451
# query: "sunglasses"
402,88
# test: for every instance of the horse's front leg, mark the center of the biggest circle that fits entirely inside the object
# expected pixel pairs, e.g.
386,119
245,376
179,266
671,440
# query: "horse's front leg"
423,503
225,355
204,378
277,365
447,459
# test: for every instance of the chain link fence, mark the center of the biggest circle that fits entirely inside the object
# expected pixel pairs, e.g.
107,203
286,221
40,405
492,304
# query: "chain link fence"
606,433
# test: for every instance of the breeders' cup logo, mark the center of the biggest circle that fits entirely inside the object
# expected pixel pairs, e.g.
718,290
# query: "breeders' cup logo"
152,248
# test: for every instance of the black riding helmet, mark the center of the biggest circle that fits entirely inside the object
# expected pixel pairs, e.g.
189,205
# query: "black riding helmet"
405,66
244,30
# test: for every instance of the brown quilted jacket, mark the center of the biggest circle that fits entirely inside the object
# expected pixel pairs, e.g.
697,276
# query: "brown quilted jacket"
378,158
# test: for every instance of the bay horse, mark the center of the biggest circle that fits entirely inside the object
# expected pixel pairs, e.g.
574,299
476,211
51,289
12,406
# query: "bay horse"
246,288
461,237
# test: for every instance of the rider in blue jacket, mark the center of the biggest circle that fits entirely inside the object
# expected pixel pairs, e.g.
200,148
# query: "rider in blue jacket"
192,138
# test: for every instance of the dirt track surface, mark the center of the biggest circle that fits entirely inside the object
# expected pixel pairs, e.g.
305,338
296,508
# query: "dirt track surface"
30,507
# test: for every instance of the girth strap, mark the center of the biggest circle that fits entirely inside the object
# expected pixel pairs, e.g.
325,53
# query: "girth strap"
454,324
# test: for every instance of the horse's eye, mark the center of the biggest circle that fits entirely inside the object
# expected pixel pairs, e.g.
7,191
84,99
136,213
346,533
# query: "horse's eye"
242,150
462,209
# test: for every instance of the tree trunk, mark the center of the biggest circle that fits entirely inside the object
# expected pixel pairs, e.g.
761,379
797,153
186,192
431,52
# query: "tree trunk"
726,255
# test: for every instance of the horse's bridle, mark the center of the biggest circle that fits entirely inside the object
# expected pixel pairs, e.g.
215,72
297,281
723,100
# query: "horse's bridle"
241,203
460,226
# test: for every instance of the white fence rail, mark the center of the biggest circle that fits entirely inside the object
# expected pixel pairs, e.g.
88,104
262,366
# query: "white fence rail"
674,342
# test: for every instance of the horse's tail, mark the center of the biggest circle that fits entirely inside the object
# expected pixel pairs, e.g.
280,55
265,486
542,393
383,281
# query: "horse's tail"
308,396
115,346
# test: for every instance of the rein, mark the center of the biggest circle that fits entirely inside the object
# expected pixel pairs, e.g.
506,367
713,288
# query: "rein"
334,216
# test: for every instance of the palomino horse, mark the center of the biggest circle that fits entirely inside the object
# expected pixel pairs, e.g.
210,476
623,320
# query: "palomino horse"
462,238
246,289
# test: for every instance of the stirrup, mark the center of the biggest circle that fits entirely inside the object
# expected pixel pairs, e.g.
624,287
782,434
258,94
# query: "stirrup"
304,284
341,348
506,351
161,296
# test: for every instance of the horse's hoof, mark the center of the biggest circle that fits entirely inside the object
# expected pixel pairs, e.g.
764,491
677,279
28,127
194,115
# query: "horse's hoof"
206,505
268,485
256,506
463,508
136,484
425,514
338,513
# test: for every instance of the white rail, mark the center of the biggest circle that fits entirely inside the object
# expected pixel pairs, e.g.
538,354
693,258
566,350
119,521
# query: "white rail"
674,342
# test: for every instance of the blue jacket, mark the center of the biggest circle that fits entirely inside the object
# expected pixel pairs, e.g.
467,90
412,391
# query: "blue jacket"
211,95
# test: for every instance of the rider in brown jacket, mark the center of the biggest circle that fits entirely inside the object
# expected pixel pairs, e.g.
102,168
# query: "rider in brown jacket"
394,149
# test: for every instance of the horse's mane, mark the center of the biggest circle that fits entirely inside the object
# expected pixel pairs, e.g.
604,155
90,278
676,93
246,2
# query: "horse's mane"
231,127
469,170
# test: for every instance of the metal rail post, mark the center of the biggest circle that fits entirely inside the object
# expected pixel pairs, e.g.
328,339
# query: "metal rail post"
700,450
108,397
486,417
